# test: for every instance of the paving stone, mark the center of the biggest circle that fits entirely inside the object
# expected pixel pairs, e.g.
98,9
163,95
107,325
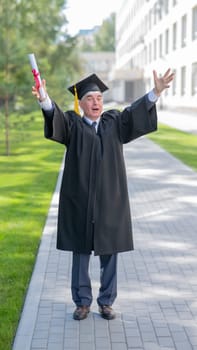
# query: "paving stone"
71,342
39,343
118,346
183,346
162,331
105,342
117,337
53,346
148,336
134,342
166,341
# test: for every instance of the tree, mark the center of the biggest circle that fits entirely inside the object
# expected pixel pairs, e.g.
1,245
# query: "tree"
105,37
24,29
11,48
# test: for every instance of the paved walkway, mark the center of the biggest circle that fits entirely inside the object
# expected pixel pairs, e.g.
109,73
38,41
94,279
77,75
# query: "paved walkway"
157,300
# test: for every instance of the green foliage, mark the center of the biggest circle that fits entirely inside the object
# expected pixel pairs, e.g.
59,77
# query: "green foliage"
103,39
25,29
181,144
38,27
27,179
65,66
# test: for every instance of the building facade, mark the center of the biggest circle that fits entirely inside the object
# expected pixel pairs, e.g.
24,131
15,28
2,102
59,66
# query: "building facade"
156,34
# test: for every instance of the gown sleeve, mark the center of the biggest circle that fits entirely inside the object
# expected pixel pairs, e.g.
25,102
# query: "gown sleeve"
137,120
57,125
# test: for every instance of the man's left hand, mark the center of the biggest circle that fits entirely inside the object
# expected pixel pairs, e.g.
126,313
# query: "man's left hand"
163,82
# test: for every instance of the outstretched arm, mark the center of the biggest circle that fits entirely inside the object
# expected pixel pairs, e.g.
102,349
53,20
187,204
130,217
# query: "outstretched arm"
162,82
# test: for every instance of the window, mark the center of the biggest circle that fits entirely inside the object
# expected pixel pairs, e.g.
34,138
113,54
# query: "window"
166,6
155,13
194,23
174,84
160,45
174,33
159,9
150,53
194,78
183,30
167,41
183,80
150,19
155,49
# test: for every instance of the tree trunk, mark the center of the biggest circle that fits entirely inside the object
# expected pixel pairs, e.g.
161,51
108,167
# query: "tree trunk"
7,130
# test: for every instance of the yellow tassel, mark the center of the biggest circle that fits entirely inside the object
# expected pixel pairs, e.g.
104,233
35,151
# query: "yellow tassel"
76,102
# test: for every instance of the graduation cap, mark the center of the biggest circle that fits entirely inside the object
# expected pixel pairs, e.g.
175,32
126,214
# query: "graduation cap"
91,83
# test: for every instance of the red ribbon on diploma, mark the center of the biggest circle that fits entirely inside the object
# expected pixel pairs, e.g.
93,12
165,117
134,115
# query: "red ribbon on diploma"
36,75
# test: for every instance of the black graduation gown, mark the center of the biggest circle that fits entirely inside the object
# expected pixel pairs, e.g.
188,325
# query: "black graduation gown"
94,212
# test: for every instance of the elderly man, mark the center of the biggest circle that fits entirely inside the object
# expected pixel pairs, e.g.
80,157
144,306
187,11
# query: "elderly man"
94,213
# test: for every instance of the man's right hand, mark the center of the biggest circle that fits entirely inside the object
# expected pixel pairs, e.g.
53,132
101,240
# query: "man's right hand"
35,91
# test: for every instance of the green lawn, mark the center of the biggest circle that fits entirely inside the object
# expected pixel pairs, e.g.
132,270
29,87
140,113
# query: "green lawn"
27,181
181,144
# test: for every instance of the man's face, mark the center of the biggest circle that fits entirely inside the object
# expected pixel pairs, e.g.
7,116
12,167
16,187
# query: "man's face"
92,104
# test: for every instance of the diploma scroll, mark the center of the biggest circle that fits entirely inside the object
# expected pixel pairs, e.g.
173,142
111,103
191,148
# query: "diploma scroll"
36,74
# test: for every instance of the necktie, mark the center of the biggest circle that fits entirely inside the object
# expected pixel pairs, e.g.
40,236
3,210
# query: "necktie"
94,125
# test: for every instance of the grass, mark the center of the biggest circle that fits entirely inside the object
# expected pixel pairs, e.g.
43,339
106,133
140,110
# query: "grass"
180,144
27,181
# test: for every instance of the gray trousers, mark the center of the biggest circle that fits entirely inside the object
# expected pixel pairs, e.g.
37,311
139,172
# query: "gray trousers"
81,285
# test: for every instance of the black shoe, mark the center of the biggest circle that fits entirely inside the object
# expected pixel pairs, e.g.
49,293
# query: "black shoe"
81,312
107,312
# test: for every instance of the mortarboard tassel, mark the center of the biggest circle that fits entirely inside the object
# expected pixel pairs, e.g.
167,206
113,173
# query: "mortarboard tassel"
76,102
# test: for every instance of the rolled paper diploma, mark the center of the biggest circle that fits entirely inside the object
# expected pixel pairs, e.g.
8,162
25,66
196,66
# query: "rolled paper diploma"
36,74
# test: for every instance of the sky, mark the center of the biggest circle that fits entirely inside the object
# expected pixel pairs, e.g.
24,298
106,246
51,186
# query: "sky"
85,14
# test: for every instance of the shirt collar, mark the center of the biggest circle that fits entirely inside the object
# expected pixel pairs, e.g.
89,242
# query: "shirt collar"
90,121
